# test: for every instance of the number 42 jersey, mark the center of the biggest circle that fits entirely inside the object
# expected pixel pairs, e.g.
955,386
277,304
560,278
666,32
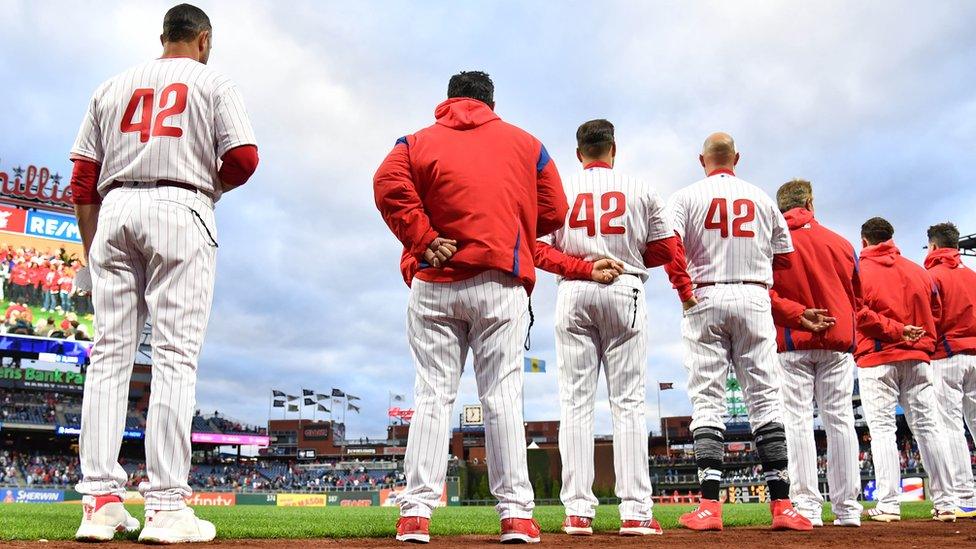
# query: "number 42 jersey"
611,216
730,229
168,119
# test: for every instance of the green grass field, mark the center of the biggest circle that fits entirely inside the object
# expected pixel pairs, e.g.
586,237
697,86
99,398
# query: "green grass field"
58,521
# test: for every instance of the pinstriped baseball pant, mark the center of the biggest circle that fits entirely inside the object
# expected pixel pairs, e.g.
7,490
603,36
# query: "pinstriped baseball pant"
152,255
826,377
954,379
488,314
731,327
603,327
906,382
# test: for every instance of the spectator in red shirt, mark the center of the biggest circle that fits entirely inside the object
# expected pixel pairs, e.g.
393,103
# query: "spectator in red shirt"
898,371
467,197
954,358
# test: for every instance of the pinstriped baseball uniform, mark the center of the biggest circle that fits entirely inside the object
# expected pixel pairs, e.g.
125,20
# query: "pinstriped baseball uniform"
153,256
487,313
826,377
954,379
603,326
731,230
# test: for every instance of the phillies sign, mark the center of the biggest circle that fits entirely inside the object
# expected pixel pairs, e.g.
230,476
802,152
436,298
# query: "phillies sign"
36,187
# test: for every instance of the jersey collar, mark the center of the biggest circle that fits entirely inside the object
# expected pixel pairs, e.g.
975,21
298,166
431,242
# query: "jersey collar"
597,164
718,171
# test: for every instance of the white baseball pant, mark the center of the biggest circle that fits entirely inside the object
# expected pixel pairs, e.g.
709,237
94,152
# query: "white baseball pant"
603,326
488,314
732,326
906,382
826,377
154,254
954,379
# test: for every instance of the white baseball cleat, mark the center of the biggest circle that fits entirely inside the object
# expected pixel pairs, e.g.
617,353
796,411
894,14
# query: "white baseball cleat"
944,515
883,516
176,527
849,522
103,517
814,516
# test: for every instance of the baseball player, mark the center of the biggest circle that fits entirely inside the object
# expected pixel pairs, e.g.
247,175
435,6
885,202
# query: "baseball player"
895,370
818,366
733,235
467,198
954,359
157,147
616,226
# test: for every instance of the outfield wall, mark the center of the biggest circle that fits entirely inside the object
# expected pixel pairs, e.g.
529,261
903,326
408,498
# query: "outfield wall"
385,497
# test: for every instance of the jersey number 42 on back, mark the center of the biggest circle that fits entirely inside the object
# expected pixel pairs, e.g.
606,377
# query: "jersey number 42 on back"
613,204
147,126
717,218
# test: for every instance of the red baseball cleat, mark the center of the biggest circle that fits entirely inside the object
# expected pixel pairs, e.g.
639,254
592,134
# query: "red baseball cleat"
708,516
578,526
520,530
413,529
640,528
785,517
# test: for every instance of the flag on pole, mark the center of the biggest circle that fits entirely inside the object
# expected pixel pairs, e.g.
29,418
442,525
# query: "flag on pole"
291,398
307,392
292,407
320,396
396,397
665,386
309,402
351,397
353,408
277,394
337,393
535,365
279,404
322,408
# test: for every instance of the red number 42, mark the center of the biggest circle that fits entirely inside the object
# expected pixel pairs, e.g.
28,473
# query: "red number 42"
143,101
717,217
613,204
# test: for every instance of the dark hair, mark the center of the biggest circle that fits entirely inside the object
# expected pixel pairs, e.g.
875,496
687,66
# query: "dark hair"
595,138
473,84
944,235
794,194
183,23
877,230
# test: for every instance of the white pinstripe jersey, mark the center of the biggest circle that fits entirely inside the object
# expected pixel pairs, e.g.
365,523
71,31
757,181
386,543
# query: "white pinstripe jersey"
166,119
730,228
612,216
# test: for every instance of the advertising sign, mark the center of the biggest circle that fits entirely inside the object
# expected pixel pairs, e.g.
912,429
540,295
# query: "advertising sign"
52,225
354,499
12,219
257,499
302,500
15,495
316,433
213,499
35,186
75,431
235,440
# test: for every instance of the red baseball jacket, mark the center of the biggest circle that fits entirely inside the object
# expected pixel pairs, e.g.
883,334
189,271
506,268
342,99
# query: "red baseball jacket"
903,292
956,285
473,178
822,275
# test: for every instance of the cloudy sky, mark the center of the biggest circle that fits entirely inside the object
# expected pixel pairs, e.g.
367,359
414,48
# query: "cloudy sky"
873,102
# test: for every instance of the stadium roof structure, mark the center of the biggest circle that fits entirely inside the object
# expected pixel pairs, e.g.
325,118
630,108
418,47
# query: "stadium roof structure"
967,245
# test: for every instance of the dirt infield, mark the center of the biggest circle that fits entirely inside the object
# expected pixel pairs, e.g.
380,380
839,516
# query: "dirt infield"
904,534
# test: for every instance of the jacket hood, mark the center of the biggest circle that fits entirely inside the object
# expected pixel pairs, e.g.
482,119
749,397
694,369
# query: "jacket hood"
943,256
884,253
463,113
798,217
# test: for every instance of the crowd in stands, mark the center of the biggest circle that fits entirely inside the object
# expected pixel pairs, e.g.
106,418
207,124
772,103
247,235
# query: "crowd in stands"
31,279
218,423
28,407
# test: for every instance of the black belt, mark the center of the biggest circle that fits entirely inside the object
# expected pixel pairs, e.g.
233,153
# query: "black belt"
160,183
750,282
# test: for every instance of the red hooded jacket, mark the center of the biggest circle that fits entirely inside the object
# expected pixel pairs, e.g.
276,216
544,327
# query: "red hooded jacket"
473,178
903,292
821,275
956,285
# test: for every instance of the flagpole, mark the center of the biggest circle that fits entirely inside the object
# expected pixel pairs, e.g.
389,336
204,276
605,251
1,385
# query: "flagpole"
270,403
389,404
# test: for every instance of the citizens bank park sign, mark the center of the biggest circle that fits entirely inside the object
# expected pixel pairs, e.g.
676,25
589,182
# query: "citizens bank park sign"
35,202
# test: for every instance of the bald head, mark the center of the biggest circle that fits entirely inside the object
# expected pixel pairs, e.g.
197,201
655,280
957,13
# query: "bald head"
718,151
